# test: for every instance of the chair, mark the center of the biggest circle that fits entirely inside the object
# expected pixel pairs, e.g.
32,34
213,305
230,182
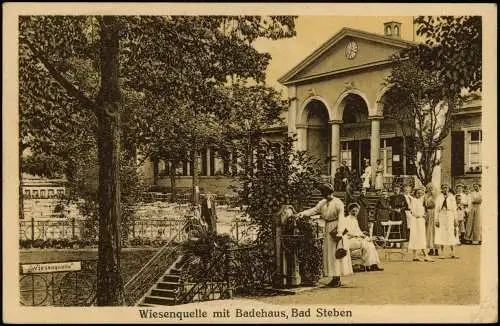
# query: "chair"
393,239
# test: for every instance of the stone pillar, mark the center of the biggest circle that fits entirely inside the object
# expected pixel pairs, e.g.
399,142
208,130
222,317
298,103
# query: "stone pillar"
292,110
301,144
374,144
207,155
335,146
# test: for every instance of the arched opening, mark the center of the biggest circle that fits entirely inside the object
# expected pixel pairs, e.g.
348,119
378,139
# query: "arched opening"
318,133
354,133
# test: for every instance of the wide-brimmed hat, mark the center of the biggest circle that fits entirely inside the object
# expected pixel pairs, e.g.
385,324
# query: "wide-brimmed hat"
459,185
325,188
351,206
445,185
476,183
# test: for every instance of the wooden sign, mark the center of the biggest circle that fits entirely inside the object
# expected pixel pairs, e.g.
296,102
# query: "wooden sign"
69,266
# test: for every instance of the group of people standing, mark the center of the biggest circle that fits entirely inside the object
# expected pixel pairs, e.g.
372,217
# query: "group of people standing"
430,220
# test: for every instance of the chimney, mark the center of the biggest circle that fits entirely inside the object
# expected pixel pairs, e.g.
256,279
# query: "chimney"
392,29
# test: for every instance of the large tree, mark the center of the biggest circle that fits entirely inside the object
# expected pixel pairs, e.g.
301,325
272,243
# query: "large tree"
422,110
175,59
453,48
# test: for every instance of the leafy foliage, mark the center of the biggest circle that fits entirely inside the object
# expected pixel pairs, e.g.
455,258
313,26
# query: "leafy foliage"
417,102
453,49
83,81
280,176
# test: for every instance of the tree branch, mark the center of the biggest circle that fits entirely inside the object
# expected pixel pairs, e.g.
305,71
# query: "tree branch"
66,84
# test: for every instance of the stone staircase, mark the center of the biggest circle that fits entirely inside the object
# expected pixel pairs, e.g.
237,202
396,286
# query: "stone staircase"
166,291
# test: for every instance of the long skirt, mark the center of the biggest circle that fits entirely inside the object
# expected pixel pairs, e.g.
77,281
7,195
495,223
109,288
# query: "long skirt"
445,233
331,265
417,233
379,182
369,254
430,229
473,227
401,216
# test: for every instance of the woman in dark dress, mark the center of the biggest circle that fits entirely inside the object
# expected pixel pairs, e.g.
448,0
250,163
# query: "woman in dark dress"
337,181
399,206
363,211
383,212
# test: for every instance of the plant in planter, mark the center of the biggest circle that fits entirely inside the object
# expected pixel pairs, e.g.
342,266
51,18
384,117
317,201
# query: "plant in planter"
309,249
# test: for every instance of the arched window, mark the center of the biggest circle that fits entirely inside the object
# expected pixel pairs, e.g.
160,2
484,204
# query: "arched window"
388,30
396,30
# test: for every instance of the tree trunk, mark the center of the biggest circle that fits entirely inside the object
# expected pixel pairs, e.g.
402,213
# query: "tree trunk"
173,167
196,177
109,282
155,162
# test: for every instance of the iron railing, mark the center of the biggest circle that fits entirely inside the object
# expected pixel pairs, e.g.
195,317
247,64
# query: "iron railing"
149,274
68,288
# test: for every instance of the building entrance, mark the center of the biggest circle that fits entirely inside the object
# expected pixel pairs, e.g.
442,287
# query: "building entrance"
354,153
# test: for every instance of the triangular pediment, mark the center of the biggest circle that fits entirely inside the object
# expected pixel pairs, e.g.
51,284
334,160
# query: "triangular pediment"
331,57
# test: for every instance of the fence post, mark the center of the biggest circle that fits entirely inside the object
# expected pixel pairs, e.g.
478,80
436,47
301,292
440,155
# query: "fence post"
72,228
229,262
133,229
32,229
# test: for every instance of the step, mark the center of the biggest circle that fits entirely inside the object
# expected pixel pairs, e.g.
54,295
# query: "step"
175,271
146,305
151,299
164,293
171,278
167,285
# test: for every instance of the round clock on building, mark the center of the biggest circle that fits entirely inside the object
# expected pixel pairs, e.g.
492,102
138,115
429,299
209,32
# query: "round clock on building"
351,49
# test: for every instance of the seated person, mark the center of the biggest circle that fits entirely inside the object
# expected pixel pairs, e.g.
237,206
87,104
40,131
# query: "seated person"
358,240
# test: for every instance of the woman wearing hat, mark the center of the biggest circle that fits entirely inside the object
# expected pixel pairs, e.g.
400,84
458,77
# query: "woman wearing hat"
473,228
359,240
445,214
418,240
331,210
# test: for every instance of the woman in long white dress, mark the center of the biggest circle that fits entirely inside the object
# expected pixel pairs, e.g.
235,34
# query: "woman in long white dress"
446,221
367,175
379,176
418,241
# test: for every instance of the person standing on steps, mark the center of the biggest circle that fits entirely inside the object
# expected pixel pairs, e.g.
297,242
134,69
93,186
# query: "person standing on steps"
379,176
331,210
364,205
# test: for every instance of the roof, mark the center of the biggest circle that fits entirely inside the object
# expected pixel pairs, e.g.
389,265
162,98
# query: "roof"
344,32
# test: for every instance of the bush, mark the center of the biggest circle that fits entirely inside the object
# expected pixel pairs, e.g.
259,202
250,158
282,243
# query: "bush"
25,243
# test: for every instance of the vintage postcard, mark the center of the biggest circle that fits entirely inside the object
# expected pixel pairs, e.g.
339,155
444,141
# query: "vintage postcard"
249,163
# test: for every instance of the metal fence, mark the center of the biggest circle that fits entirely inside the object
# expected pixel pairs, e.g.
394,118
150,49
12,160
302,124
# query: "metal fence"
69,288
56,228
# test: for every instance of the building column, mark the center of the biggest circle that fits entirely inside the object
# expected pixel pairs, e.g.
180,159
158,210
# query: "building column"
292,113
301,144
374,143
207,156
335,146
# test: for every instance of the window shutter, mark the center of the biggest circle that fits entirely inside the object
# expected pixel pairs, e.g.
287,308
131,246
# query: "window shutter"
457,152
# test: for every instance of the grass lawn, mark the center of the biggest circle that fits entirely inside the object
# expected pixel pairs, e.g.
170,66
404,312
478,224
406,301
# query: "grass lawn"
131,259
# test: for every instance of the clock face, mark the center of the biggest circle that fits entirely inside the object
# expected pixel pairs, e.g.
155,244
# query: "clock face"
351,49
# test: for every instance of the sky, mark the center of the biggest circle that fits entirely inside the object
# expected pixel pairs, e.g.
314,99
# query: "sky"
312,32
